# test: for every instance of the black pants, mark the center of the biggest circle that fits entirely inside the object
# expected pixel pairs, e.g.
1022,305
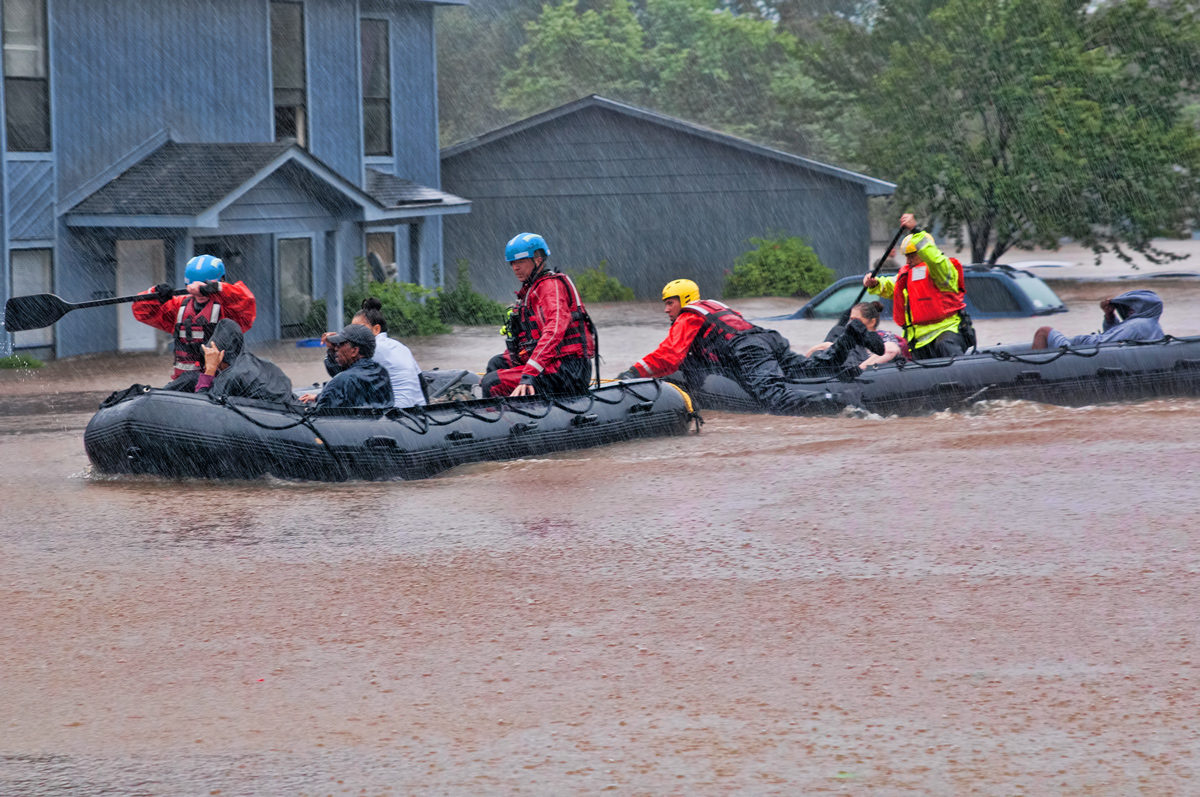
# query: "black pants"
947,344
571,379
766,363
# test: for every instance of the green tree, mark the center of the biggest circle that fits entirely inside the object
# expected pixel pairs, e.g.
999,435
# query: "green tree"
694,59
1024,121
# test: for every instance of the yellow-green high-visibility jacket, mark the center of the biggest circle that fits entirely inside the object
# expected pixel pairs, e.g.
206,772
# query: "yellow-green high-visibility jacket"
944,275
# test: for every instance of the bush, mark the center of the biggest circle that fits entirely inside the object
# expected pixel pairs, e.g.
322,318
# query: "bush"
406,307
464,306
20,361
597,285
779,266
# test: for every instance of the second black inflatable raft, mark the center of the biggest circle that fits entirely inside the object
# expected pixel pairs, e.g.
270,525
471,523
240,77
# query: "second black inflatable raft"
1117,372
182,435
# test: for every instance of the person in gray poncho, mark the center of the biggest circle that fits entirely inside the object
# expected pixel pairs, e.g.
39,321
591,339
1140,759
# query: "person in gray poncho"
1130,316
230,370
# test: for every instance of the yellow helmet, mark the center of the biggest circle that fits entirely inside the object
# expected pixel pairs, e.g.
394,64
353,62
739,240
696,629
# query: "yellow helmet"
684,290
910,244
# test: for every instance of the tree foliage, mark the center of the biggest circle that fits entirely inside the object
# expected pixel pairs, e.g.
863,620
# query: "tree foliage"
1024,121
692,59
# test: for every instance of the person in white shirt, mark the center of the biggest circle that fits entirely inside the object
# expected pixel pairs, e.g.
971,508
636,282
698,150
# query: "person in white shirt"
392,355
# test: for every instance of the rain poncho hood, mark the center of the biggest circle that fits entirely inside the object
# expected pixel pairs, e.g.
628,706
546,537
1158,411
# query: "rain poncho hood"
364,383
1140,310
247,376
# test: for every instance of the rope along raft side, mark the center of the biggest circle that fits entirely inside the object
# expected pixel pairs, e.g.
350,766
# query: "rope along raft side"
183,435
1073,377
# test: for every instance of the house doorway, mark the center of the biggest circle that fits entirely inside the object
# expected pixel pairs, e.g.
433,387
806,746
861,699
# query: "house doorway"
140,265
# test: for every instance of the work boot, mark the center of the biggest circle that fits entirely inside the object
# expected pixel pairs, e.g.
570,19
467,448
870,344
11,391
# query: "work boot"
857,331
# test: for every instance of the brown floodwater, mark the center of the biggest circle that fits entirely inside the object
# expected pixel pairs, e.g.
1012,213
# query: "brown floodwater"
1000,601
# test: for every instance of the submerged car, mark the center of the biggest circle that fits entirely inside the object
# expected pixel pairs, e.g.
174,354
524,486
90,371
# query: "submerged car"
992,292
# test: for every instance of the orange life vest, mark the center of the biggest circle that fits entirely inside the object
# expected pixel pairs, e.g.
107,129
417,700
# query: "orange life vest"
925,301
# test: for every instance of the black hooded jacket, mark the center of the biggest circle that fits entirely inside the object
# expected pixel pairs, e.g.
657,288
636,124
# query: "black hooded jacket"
365,383
247,376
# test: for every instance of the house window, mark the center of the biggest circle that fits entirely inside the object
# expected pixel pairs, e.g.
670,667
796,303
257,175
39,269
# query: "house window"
32,272
382,245
288,74
377,88
295,286
26,81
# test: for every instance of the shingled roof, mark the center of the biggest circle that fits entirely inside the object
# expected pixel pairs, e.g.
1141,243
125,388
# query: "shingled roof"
871,185
188,184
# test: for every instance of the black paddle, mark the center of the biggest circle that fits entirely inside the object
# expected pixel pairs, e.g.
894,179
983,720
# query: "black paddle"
43,309
845,319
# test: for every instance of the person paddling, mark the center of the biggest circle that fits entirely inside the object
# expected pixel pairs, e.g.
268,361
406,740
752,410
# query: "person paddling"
192,318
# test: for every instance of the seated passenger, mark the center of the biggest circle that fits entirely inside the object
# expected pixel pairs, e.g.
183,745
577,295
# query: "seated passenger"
707,336
358,380
229,370
868,313
391,354
1129,316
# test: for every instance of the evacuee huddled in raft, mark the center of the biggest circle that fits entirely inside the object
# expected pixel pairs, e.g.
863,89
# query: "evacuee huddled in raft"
391,354
358,381
1129,316
868,313
710,337
230,370
191,319
550,337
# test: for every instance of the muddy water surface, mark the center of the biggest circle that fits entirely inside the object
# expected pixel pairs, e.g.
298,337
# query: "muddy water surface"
994,602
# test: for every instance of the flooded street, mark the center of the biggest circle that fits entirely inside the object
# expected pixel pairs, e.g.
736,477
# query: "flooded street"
1000,601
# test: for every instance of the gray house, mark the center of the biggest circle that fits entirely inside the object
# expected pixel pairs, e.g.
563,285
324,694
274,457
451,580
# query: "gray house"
656,197
286,136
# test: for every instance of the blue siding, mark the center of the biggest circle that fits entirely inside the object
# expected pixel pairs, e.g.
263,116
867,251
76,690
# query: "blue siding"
655,203
30,200
126,69
335,116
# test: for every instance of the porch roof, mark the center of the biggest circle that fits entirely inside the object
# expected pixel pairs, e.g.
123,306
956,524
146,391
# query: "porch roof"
188,185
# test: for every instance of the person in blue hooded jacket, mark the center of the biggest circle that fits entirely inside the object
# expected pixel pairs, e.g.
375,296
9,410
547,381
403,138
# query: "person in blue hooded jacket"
358,381
1130,316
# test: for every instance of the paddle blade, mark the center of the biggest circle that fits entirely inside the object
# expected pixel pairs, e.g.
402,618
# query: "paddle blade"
33,312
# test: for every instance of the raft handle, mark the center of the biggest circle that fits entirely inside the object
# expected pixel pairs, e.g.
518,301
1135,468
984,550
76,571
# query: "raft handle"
1111,371
523,428
380,441
644,406
1187,365
947,387
457,436
581,420
1029,376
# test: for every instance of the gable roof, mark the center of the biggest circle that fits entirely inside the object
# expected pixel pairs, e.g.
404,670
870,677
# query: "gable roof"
188,185
871,185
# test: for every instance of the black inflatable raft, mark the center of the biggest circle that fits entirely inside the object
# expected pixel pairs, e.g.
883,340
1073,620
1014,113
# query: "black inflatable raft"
1116,372
180,435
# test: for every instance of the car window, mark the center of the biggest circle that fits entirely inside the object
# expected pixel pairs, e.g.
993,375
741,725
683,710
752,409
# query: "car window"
1040,294
837,302
991,295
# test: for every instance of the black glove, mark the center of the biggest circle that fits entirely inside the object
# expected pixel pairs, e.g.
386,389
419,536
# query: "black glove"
210,288
163,292
630,374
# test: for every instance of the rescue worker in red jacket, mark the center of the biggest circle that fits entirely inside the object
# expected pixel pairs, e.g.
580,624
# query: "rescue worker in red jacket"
710,337
928,297
191,319
550,336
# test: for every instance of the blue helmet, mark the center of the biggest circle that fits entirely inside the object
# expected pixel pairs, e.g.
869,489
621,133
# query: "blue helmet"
203,268
525,245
